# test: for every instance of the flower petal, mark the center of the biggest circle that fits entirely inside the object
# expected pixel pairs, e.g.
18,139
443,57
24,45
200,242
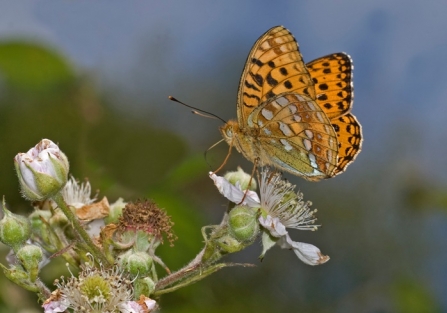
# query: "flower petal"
131,307
306,252
55,306
273,225
150,304
235,194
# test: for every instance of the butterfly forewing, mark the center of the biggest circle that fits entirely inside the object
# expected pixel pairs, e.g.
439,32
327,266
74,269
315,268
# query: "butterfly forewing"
332,76
349,137
295,135
273,66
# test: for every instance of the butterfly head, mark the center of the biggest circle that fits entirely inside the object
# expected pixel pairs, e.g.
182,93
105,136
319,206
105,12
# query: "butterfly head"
229,130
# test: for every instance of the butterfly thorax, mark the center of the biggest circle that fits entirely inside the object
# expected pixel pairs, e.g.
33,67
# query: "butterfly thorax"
241,139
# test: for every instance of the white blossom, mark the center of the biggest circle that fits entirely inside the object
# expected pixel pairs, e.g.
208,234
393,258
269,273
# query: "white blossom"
281,208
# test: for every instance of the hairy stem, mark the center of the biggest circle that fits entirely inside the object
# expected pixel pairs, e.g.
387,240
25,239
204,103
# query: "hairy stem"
92,248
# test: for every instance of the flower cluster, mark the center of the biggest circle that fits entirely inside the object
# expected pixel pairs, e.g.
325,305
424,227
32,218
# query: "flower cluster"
113,245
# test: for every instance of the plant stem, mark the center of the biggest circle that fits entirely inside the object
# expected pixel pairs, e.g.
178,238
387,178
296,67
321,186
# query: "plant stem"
93,249
199,276
180,274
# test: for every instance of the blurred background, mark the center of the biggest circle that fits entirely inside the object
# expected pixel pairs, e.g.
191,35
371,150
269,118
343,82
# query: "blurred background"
95,76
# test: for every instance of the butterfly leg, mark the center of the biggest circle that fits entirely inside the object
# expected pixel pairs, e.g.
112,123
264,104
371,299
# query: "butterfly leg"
251,178
226,158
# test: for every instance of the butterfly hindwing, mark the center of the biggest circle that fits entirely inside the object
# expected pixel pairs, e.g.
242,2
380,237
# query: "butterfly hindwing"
332,76
274,66
349,137
295,135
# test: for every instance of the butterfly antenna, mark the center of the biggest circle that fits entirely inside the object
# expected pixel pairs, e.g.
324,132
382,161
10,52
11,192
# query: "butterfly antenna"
197,111
201,114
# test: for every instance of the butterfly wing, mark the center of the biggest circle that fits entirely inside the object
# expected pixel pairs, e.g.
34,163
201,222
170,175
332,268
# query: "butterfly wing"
349,136
274,65
295,116
332,76
295,135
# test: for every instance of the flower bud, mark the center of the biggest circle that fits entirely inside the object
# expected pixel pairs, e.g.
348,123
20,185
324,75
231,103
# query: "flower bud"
228,244
243,223
14,229
30,256
242,178
42,171
136,263
143,286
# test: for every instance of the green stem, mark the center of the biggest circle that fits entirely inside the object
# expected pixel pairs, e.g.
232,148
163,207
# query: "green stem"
180,274
93,249
199,275
44,293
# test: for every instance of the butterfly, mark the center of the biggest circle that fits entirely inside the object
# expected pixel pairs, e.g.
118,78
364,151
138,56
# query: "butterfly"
295,116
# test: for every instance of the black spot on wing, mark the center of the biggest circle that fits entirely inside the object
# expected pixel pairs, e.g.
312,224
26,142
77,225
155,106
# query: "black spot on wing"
257,78
257,62
251,86
270,94
252,97
288,84
322,97
271,81
323,86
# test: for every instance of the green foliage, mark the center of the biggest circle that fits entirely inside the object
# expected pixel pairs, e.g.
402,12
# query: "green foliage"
32,67
122,157
411,296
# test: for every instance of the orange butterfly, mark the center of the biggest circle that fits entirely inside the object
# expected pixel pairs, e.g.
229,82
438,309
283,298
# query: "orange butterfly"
295,116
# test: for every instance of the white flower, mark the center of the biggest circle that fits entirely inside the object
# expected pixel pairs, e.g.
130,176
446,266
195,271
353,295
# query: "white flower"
94,290
42,171
281,208
78,195
234,193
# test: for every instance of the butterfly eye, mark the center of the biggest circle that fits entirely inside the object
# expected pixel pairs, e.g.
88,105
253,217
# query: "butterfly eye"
229,132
